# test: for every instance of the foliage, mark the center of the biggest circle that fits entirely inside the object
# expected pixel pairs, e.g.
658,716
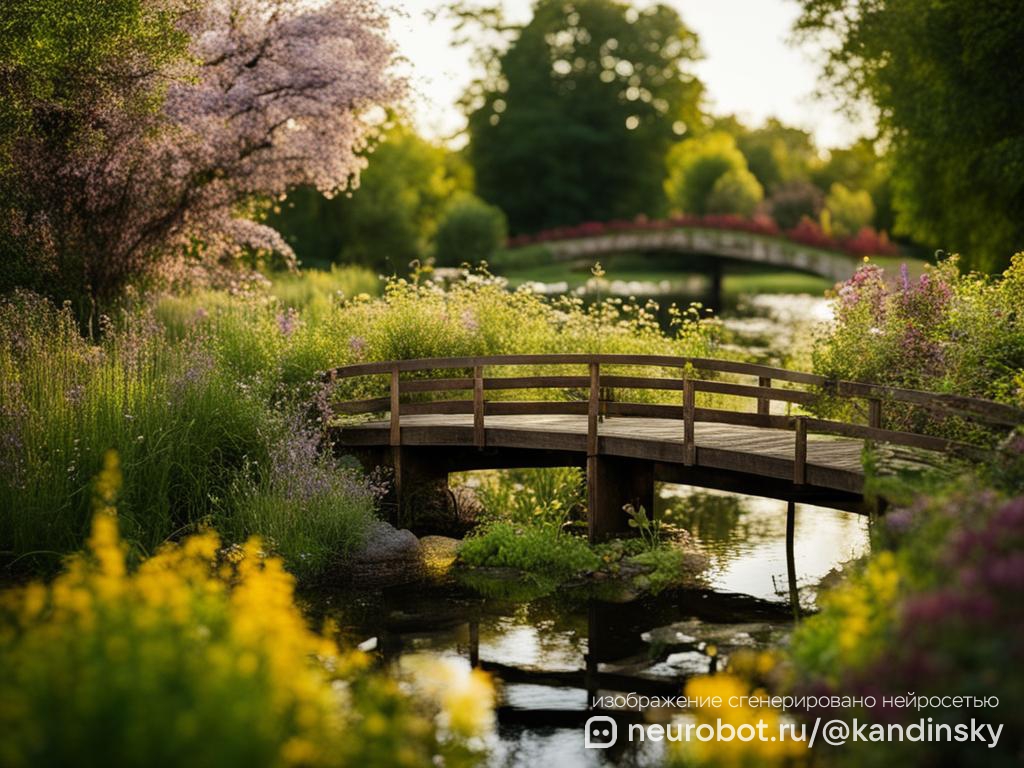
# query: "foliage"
848,212
390,220
944,80
143,142
939,613
302,505
315,292
200,657
735,191
534,548
649,528
695,166
469,231
791,202
545,496
776,153
191,396
477,315
861,166
945,332
588,96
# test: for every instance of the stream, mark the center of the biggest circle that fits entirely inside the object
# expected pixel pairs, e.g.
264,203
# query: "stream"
550,654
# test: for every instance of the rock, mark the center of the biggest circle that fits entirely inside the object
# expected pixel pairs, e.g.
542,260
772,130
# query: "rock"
438,553
389,556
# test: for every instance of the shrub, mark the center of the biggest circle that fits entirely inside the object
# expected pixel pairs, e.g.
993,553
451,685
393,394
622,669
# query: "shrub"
938,615
848,211
792,201
532,548
469,231
944,332
695,166
201,657
736,191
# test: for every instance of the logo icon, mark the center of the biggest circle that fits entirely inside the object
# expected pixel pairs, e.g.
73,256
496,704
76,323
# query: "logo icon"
600,732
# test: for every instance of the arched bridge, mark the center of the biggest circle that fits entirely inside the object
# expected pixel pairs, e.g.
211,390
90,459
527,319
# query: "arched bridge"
633,419
706,245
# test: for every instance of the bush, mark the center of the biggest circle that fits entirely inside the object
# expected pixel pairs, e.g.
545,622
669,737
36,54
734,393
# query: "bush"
944,332
736,191
938,615
695,166
536,549
469,231
201,657
793,201
848,211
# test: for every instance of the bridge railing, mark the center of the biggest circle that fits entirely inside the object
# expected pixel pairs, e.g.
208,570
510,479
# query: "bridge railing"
688,383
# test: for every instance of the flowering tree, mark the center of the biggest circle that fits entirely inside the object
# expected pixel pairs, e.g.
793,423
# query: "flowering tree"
266,94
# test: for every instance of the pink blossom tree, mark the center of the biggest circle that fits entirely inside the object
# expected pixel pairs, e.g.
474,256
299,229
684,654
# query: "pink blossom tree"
268,95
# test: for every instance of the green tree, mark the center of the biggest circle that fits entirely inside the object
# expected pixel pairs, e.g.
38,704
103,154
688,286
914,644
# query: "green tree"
736,191
696,165
848,211
469,231
389,220
946,80
777,153
860,166
574,119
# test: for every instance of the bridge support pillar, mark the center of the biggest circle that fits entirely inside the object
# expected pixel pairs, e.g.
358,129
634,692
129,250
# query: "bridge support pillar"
613,482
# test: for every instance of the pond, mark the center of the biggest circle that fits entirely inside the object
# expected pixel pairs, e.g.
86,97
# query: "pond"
551,654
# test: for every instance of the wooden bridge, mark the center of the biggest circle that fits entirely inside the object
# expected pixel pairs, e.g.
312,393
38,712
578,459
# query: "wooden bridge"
732,426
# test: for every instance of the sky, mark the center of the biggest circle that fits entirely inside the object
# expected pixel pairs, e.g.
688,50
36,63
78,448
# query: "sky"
749,69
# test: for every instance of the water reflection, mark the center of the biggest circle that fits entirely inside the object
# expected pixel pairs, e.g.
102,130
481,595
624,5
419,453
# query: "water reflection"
745,538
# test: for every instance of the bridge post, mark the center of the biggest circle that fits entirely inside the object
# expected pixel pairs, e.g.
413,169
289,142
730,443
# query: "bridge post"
613,482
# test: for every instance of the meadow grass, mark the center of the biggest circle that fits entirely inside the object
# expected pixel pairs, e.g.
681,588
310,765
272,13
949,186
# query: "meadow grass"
215,402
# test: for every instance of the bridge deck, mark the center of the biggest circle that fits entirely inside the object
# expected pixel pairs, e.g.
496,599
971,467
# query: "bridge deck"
832,462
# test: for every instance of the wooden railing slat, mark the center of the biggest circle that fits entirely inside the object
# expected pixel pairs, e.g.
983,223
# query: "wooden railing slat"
396,409
478,407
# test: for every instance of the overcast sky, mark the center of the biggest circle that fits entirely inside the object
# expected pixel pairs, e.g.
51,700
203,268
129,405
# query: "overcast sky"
749,68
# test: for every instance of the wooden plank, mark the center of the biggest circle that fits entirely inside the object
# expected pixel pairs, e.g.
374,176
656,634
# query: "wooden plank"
764,403
642,382
800,452
651,410
372,405
537,382
396,410
717,416
478,407
535,408
437,407
689,408
875,413
436,385
593,409
763,394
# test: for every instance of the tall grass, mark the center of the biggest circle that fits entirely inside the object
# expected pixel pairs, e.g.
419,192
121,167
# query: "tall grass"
192,412
200,394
